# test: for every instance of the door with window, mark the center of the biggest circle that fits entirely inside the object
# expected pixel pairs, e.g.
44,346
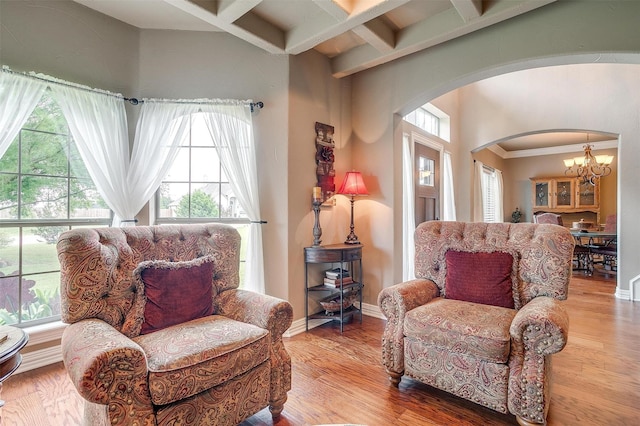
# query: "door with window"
427,183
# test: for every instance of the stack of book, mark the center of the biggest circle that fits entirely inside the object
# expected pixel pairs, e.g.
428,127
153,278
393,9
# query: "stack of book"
337,277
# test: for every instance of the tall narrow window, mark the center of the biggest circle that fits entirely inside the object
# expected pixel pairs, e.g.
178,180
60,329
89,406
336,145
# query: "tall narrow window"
492,195
488,194
44,189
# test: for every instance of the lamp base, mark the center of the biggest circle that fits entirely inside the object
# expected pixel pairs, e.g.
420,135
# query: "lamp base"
317,230
352,239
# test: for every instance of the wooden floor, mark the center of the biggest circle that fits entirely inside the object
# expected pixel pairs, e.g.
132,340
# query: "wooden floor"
338,378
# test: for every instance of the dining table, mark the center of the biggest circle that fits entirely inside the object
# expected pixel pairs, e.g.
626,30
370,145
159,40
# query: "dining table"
587,239
593,235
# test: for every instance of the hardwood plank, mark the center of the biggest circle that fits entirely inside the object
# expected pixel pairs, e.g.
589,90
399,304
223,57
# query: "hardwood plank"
25,411
338,378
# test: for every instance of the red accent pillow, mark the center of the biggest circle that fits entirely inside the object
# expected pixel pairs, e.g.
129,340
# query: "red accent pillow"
481,277
175,292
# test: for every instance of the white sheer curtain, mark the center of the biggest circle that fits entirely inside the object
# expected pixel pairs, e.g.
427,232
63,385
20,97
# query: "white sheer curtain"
160,131
478,207
449,212
499,196
232,132
19,95
408,208
98,124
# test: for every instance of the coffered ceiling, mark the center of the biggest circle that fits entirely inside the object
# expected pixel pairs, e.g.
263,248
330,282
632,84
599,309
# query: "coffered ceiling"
354,34
553,142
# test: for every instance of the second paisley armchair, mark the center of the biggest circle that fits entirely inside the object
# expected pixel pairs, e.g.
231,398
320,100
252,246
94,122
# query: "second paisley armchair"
484,315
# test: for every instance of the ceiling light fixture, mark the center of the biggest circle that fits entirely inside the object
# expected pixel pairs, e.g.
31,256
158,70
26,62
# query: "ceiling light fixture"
589,167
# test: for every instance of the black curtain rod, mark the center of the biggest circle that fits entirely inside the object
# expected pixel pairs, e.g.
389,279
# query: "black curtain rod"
487,167
54,80
132,101
254,105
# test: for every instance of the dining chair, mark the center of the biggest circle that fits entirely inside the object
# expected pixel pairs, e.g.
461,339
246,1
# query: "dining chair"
606,249
552,218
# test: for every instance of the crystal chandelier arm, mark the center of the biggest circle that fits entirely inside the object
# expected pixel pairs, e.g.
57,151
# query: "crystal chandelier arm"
589,168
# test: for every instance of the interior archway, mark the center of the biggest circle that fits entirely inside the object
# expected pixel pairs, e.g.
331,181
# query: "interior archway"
551,48
550,156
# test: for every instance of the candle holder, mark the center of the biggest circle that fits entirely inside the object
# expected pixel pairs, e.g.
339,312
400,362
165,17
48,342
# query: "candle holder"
317,230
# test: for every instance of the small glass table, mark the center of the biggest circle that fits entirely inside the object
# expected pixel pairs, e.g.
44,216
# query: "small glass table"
12,340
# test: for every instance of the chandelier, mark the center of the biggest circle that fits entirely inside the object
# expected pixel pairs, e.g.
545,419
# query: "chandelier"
589,168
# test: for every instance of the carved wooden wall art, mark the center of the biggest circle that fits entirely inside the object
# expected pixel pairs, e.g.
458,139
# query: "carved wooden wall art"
324,160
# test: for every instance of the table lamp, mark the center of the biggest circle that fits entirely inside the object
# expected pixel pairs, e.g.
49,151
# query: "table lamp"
353,185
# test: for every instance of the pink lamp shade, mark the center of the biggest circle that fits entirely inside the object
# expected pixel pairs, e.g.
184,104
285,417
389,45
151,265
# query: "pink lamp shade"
353,185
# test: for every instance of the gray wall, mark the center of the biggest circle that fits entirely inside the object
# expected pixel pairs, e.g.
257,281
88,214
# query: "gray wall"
553,35
68,41
188,65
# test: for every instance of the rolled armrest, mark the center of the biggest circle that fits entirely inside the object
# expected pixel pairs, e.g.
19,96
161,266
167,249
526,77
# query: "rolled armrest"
541,326
108,368
270,313
539,329
395,302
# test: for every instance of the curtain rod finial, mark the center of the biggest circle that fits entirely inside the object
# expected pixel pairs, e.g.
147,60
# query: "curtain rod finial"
256,105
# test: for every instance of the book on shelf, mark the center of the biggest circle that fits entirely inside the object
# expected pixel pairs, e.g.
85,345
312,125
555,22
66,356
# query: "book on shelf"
337,282
336,273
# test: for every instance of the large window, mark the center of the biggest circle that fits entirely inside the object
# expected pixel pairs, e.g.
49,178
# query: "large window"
44,189
196,188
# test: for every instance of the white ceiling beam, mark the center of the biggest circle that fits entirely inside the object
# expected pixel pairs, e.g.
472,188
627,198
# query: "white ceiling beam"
440,28
468,9
377,34
248,27
263,32
304,38
232,10
333,8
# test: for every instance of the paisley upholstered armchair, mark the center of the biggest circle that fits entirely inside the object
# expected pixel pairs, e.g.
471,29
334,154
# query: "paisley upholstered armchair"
160,334
484,315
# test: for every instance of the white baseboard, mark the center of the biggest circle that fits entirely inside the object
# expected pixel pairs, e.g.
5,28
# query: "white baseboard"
298,326
40,358
372,311
631,293
624,294
38,335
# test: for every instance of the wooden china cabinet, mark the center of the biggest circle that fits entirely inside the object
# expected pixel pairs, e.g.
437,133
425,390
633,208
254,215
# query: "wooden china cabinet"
567,196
